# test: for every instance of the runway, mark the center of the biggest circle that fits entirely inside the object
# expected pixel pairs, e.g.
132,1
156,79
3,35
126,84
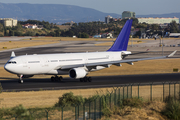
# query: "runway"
98,82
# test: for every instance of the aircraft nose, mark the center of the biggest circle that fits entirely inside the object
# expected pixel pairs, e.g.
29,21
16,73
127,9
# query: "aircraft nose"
8,68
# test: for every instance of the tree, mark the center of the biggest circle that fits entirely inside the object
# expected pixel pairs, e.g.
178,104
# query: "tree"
83,35
18,33
1,28
30,33
52,34
6,32
11,33
57,33
174,27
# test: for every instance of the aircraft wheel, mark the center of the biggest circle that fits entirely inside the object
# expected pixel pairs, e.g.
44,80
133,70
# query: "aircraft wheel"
52,79
85,79
22,81
81,80
89,79
60,78
56,78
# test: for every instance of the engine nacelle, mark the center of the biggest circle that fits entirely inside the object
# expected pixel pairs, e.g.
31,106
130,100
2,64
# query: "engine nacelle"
77,73
26,76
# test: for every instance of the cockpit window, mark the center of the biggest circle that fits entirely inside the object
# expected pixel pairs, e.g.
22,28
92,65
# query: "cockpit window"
12,62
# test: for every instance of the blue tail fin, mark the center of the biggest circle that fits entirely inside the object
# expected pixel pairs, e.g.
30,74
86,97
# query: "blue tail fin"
121,42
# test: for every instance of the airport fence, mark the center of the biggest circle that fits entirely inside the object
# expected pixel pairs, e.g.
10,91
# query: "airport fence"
94,108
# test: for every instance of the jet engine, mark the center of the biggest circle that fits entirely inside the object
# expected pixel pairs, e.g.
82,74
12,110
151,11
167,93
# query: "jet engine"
77,73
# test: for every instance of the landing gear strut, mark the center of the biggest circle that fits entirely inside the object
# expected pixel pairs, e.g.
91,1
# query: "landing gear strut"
20,79
56,78
85,79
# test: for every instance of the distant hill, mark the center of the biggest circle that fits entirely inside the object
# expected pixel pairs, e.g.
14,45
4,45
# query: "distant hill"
52,12
59,14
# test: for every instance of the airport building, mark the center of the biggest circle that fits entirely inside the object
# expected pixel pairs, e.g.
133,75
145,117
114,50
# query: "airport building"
108,19
8,22
128,14
158,20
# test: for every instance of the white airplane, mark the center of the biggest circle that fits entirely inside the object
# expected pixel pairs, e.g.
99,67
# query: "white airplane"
77,65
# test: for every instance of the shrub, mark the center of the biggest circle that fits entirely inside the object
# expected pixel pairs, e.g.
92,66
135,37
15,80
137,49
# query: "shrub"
107,112
92,98
68,99
172,109
20,111
170,98
1,88
133,102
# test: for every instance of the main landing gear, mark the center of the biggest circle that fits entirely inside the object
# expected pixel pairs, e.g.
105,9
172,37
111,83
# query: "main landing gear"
20,79
56,78
85,79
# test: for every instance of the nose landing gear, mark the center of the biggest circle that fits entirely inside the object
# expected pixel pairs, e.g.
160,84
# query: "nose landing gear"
20,79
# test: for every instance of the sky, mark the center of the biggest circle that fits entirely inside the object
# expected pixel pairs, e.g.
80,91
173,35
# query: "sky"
140,7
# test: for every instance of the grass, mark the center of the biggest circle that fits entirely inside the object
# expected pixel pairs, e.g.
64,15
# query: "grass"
111,43
86,39
69,39
46,40
50,40
24,43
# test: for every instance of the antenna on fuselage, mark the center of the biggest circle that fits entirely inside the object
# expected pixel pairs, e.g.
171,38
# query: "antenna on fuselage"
13,54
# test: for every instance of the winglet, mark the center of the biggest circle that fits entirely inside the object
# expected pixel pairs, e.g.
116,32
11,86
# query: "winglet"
121,42
170,55
13,54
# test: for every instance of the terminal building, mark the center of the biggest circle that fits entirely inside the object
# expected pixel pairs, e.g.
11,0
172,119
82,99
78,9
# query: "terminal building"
8,22
128,14
158,20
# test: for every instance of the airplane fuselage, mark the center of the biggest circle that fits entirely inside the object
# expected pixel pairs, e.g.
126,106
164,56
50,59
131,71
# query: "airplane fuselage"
52,63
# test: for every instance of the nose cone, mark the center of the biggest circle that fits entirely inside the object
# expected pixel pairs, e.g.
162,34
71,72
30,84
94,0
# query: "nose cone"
9,68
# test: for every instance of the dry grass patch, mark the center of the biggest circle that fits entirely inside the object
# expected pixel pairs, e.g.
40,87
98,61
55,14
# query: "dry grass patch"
20,44
150,111
43,98
69,39
111,43
156,39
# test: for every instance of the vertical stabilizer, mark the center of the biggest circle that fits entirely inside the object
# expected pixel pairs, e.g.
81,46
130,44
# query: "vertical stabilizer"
121,42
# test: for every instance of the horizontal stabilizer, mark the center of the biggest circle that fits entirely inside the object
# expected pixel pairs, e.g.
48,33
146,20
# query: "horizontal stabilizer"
13,54
172,53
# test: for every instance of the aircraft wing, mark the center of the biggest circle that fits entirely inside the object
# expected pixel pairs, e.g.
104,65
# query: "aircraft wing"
112,62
